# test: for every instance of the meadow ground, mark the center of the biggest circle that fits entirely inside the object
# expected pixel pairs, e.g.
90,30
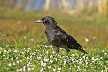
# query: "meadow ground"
24,47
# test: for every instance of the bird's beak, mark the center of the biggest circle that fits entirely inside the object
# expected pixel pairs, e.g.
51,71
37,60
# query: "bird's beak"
39,21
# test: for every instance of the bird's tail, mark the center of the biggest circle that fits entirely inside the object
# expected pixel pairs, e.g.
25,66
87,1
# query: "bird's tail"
81,50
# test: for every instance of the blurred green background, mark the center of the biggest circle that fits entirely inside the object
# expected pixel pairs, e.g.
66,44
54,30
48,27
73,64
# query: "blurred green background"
81,19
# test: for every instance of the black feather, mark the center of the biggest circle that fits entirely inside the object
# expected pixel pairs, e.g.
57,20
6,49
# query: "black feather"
58,37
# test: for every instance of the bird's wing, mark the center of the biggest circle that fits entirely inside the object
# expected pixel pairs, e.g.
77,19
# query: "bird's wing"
63,36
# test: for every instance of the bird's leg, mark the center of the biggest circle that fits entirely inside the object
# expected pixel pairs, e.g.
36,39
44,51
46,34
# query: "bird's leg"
67,50
57,50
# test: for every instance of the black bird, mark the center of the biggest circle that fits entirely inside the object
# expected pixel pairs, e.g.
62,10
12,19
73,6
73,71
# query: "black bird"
58,37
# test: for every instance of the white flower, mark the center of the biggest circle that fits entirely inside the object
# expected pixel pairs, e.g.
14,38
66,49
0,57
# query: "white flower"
9,64
29,64
85,70
86,57
92,58
32,68
51,56
73,54
97,59
59,68
47,52
51,46
17,61
24,68
83,57
46,60
86,63
46,46
102,70
31,56
105,53
41,62
78,68
32,39
28,48
16,57
54,70
103,50
80,59
73,59
86,39
7,45
16,51
22,53
77,61
39,58
49,67
28,58
20,60
9,50
53,52
5,51
101,57
55,59
41,70
94,37
13,63
29,69
0,48
65,61
12,58
51,61
4,55
44,64
19,70
25,37
34,53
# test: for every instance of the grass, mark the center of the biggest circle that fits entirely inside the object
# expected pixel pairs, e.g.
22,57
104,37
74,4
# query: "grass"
24,47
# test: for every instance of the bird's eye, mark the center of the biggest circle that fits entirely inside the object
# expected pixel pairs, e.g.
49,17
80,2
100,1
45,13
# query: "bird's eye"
44,20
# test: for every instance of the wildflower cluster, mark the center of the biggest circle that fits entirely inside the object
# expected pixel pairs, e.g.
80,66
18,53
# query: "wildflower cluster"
43,58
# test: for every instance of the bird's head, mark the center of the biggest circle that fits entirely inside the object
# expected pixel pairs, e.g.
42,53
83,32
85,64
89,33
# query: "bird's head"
47,21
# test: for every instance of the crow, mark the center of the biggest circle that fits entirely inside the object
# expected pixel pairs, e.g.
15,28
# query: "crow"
58,37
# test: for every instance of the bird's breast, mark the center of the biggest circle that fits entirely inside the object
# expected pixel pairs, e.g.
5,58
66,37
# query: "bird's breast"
50,35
